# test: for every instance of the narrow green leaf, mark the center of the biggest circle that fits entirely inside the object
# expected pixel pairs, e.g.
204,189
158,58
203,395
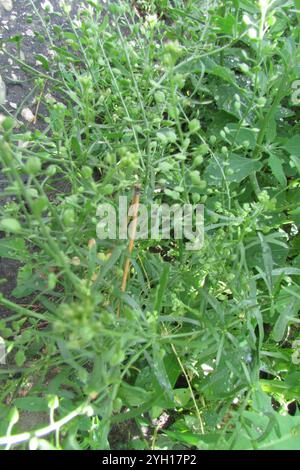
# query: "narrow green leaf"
161,289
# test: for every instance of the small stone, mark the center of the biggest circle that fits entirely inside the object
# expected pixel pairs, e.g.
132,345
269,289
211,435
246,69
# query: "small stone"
28,115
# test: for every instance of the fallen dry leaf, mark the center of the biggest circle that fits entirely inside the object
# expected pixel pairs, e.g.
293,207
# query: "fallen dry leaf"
7,4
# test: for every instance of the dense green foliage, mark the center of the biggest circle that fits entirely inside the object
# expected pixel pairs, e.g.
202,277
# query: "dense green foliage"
196,99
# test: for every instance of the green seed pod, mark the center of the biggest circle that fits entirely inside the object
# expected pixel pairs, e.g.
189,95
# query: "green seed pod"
117,357
261,101
69,217
196,198
213,139
195,177
33,166
52,281
198,161
244,68
173,48
110,159
194,126
202,184
51,170
159,97
117,405
179,80
86,171
168,60
224,150
107,190
11,225
173,112
5,151
39,205
214,219
130,161
8,124
32,192
203,149
186,143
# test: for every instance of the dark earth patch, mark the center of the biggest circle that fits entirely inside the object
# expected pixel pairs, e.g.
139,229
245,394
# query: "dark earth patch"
21,34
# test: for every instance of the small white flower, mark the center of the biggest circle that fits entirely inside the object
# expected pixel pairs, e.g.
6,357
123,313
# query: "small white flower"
27,115
151,21
252,33
65,7
47,6
29,33
206,369
50,99
77,23
52,54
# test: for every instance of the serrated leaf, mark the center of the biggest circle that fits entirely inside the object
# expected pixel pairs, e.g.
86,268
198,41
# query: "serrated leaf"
249,6
13,248
293,145
226,24
211,67
25,282
242,167
271,129
239,135
269,432
223,95
277,169
20,358
133,395
104,24
31,404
